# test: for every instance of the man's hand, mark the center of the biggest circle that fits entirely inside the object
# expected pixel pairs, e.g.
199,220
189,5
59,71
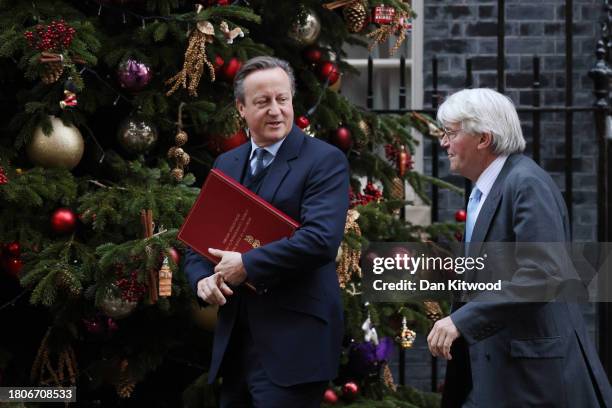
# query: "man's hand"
230,267
213,290
441,336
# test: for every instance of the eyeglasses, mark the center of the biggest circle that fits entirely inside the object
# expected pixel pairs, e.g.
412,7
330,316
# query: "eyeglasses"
450,134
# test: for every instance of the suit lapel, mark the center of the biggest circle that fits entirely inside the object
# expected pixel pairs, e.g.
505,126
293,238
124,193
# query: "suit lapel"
237,161
485,216
280,166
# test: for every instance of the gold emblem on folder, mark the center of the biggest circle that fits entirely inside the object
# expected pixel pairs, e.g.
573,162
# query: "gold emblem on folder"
255,243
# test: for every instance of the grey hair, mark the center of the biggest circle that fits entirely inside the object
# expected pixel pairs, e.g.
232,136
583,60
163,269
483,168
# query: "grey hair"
483,110
258,64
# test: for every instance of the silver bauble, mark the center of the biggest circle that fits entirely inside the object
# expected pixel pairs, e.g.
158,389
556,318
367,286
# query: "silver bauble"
62,148
114,306
136,134
306,30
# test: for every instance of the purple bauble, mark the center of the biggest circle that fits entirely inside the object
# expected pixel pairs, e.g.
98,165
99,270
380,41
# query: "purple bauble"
134,75
365,357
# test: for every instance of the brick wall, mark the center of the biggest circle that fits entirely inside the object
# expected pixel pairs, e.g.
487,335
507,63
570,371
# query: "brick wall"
458,29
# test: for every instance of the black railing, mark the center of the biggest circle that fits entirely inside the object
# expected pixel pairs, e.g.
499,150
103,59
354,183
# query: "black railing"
600,74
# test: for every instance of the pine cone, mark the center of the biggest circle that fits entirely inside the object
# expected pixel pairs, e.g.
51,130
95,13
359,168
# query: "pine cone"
433,310
355,15
388,377
53,71
172,152
397,188
178,174
361,143
178,153
184,159
181,137
65,281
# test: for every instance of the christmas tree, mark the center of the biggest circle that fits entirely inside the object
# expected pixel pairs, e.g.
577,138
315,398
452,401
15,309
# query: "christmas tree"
112,114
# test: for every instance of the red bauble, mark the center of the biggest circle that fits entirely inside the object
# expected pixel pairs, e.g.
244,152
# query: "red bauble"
63,220
404,161
211,3
230,69
313,55
13,249
350,390
302,122
460,216
329,70
330,396
219,62
13,266
175,255
342,139
221,144
3,177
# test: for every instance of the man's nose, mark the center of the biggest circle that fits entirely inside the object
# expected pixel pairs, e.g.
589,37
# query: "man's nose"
274,109
444,142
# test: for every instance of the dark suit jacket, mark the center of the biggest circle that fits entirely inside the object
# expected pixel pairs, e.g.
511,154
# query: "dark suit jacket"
296,319
524,354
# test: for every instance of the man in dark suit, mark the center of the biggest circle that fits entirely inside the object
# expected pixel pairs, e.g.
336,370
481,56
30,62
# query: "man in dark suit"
511,354
278,346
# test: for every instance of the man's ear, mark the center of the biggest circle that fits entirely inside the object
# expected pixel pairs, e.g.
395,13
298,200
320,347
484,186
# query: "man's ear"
486,140
240,108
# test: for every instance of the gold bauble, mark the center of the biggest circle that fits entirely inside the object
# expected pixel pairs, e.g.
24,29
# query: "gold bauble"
306,30
205,317
62,148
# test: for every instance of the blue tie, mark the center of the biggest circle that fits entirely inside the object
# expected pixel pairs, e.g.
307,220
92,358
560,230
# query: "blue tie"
260,152
471,213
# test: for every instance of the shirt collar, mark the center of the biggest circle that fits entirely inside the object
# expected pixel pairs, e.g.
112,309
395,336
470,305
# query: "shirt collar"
272,149
489,175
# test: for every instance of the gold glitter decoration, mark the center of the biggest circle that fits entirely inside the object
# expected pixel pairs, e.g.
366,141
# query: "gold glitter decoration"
195,59
349,258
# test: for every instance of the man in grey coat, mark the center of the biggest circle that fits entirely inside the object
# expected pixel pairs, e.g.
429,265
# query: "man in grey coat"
508,354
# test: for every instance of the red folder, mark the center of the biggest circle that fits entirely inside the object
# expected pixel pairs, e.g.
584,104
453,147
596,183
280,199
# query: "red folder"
230,217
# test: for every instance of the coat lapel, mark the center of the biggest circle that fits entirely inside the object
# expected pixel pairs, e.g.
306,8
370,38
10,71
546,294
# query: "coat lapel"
237,161
485,216
280,166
